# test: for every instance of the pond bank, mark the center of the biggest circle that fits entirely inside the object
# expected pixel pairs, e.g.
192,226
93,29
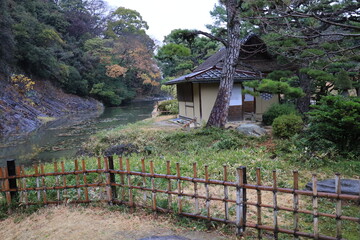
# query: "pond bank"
24,113
63,137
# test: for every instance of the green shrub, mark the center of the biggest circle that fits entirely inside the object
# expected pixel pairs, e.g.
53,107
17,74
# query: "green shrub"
335,122
286,126
169,107
276,110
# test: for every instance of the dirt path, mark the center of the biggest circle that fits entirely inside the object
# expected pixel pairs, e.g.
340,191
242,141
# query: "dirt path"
94,223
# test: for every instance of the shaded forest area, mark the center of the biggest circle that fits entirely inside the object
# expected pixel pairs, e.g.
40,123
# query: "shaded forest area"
80,46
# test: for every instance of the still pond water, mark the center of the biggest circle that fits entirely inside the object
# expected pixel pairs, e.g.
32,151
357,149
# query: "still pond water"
63,137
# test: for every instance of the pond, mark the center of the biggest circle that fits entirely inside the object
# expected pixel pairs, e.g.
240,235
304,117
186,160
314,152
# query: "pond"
63,137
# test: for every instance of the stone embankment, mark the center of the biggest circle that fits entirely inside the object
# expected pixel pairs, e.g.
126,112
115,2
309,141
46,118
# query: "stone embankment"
22,113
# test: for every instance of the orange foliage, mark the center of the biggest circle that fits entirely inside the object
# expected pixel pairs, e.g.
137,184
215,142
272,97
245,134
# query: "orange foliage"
134,54
115,71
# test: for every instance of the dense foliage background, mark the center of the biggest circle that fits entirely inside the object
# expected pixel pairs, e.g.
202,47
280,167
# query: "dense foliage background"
80,45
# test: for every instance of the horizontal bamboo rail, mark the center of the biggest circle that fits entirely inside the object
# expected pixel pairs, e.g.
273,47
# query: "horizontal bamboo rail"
122,186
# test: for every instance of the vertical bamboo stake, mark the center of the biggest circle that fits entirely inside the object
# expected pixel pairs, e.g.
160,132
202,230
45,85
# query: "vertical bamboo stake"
85,180
43,183
276,210
179,188
6,185
240,198
143,169
226,194
258,202
112,177
168,172
37,181
338,205
131,199
196,190
108,180
122,181
57,180
315,207
207,191
77,178
99,163
296,204
11,172
26,200
64,182
2,180
152,179
19,179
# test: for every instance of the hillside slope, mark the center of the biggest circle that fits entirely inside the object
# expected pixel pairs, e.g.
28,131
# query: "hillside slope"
21,113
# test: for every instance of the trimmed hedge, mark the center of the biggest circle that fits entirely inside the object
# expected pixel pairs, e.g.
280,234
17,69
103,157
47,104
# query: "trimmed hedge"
276,110
286,126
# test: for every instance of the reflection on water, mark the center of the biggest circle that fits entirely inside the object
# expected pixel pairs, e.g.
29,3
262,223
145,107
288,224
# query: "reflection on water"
63,137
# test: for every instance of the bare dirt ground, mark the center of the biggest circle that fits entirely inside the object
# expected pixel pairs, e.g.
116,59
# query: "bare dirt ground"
94,223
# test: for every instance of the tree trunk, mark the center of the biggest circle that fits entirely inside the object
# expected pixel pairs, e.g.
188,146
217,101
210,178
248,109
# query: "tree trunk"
219,113
303,103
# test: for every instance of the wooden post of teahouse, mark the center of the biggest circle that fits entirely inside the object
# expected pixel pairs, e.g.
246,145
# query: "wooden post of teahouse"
112,177
11,168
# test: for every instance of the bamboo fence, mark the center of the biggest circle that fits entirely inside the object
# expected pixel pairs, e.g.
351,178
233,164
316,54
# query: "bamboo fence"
208,199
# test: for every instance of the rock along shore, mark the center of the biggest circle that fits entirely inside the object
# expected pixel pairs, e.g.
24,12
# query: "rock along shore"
23,113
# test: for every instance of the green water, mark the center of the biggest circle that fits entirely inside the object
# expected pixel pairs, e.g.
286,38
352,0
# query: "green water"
63,137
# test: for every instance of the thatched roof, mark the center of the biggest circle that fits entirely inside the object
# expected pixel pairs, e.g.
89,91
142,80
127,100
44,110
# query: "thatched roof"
253,63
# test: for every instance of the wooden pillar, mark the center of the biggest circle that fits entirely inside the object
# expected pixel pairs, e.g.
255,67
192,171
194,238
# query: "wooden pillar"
112,177
11,168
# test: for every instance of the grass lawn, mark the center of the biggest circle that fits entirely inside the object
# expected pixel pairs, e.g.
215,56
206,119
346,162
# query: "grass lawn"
215,148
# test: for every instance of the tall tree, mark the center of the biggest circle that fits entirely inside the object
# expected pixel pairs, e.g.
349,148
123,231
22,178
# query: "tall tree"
321,37
219,113
182,52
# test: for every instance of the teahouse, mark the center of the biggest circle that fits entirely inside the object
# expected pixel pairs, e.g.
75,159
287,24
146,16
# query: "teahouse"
197,91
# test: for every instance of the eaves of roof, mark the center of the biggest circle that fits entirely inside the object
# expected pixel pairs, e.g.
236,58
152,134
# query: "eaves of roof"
212,75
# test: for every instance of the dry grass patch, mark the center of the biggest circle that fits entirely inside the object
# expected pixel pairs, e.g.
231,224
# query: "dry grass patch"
93,223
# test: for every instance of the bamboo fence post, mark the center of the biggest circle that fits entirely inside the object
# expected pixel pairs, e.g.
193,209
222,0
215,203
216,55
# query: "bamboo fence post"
43,183
2,181
240,199
315,207
108,184
207,191
122,180
226,193
11,171
168,172
85,180
64,182
143,170
276,209
57,181
131,198
77,178
6,185
179,188
99,163
26,200
338,205
296,204
196,190
37,181
258,202
19,180
153,192
112,177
